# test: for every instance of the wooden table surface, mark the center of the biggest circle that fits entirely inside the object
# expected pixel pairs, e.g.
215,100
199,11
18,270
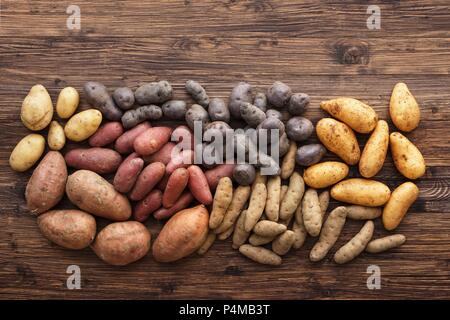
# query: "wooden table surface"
325,50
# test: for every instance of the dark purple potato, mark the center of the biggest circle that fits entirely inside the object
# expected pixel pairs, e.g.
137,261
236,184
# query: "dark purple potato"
98,96
298,103
244,174
299,128
197,92
278,94
218,110
174,109
310,154
124,98
241,93
153,93
260,101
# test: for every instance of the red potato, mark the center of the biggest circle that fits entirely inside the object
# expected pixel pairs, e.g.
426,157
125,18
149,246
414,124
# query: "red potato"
184,138
183,202
176,184
163,155
181,159
98,160
128,172
198,185
144,208
124,144
214,175
106,134
151,140
147,180
163,183
182,235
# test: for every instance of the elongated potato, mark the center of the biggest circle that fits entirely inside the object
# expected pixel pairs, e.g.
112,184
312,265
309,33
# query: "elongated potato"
106,134
67,102
259,178
363,213
46,186
207,243
300,234
268,228
128,172
182,235
151,140
222,200
240,197
56,138
198,185
273,198
27,152
325,174
356,245
283,243
293,196
399,202
183,202
147,180
255,206
385,243
312,214
339,139
356,114
226,234
239,234
124,143
284,189
99,160
122,243
362,192
288,164
144,208
71,229
324,200
176,184
407,157
83,125
92,193
330,232
260,255
375,150
403,108
257,240
37,108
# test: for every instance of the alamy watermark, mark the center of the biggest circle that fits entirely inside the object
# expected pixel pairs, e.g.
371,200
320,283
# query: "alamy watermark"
374,280
73,22
74,280
374,20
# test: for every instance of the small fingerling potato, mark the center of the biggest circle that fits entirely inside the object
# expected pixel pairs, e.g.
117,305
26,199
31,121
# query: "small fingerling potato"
97,95
260,255
182,203
356,212
362,192
257,240
256,206
312,214
293,196
240,236
145,207
128,172
240,197
27,152
283,243
324,201
37,108
375,150
133,117
153,93
385,243
407,157
396,208
356,245
83,125
67,102
273,198
403,108
221,202
268,228
241,93
288,164
207,243
124,98
325,174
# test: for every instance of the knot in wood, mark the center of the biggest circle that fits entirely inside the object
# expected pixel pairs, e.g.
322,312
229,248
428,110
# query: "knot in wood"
352,52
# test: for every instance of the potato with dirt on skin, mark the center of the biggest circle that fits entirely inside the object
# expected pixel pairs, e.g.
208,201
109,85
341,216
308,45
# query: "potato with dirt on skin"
67,102
283,243
71,229
356,114
241,93
407,157
278,94
312,214
309,154
375,151
37,109
83,125
252,114
256,206
153,93
273,198
122,243
222,199
240,236
288,163
240,197
400,201
293,196
46,186
133,117
124,98
268,228
218,110
325,174
97,95
182,235
403,108
339,139
364,192
27,152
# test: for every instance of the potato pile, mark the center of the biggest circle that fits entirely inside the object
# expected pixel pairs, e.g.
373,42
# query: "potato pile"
126,169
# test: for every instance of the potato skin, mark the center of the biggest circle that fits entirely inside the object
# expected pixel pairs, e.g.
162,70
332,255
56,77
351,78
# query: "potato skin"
99,160
385,243
71,229
128,172
56,138
198,185
46,186
339,139
174,109
106,134
375,150
122,243
362,192
356,114
27,152
133,117
244,174
92,193
218,110
325,174
356,245
37,108
183,202
403,108
124,144
151,140
197,92
407,157
260,255
196,113
356,212
83,125
163,155
144,208
222,200
299,128
252,114
176,184
213,175
97,95
147,180
242,92
67,103
153,93
124,98
182,235
309,154
278,94
396,208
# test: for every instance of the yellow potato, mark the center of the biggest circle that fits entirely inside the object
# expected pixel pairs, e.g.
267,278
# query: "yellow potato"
56,138
67,103
374,153
37,108
357,115
288,164
273,198
407,158
27,152
293,196
222,199
82,125
339,139
363,192
403,108
397,206
325,174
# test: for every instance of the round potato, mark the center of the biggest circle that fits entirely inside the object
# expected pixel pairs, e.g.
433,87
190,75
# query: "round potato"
362,192
196,113
298,103
278,94
403,108
244,174
325,174
124,98
299,128
407,158
37,108
218,110
83,125
374,153
56,138
27,152
67,102
174,109
339,139
309,154
399,202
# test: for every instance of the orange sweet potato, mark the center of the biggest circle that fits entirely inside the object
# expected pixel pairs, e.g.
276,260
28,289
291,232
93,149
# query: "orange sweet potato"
151,140
176,184
198,185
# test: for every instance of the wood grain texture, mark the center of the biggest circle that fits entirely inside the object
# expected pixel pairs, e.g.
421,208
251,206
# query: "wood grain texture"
322,48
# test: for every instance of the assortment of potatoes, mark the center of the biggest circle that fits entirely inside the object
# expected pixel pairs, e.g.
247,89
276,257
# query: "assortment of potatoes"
152,179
